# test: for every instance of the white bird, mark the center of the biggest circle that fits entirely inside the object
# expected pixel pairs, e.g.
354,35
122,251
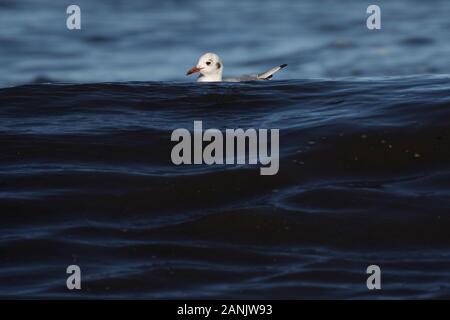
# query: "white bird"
210,68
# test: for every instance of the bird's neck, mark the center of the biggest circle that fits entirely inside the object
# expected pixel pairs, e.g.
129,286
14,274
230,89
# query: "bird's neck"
210,77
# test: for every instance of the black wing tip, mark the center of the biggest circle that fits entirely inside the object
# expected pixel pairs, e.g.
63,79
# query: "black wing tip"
283,65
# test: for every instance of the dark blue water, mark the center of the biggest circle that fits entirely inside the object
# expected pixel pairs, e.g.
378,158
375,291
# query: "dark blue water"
86,176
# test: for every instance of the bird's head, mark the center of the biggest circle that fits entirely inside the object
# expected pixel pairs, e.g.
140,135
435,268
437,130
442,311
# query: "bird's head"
209,64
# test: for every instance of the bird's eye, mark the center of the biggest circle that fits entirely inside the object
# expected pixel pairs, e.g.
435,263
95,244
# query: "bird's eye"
208,63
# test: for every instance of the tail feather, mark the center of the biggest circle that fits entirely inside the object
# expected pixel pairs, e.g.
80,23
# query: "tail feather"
268,74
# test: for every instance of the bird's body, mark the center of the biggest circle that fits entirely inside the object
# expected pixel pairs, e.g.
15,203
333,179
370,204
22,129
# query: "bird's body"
210,67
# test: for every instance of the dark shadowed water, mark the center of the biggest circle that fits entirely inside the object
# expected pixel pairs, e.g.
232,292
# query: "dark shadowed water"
86,176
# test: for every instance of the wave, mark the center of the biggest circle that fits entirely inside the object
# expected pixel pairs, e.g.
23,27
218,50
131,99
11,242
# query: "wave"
85,172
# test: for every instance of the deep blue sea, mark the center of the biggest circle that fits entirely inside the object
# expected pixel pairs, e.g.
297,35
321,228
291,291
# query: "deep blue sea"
86,176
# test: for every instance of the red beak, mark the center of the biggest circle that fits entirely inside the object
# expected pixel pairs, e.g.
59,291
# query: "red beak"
193,70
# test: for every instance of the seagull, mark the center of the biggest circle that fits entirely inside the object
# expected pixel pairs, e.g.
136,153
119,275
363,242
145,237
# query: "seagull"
210,67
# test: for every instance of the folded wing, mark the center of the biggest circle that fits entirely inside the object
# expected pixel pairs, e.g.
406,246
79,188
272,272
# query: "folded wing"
262,76
268,74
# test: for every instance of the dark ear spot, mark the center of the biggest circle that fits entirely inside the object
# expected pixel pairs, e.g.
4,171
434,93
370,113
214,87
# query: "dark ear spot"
218,65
